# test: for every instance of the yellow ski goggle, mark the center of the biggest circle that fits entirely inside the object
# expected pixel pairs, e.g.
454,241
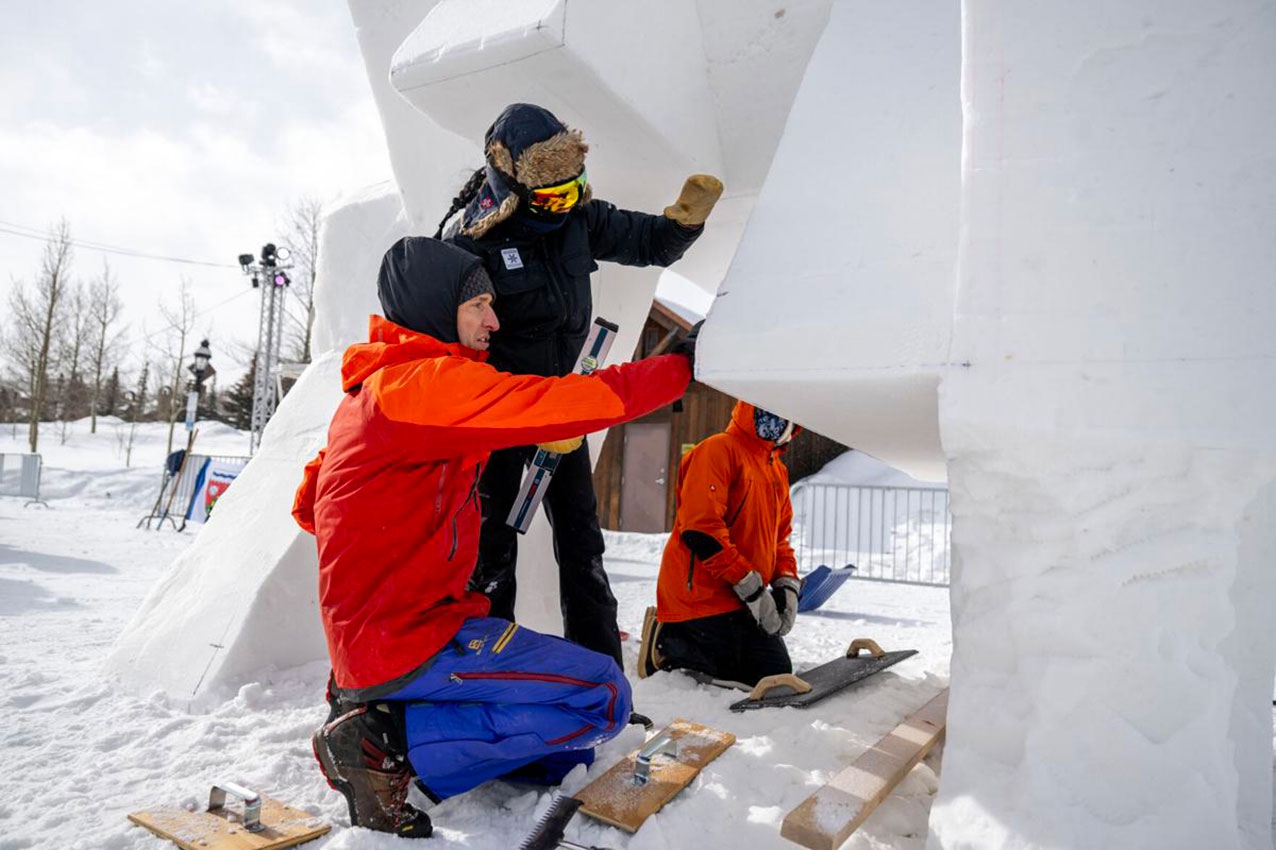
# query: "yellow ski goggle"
560,198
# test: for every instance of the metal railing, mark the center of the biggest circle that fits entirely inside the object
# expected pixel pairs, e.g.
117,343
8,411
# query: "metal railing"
898,534
20,476
176,490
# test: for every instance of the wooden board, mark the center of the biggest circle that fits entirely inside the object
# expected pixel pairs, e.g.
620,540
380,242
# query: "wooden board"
828,817
613,797
222,830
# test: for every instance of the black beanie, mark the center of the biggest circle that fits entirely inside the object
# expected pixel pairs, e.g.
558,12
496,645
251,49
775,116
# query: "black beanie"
423,281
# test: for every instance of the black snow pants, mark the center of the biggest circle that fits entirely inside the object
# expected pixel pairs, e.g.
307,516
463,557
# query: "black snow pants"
588,606
727,646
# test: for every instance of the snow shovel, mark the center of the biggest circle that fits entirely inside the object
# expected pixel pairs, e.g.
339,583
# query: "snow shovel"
820,584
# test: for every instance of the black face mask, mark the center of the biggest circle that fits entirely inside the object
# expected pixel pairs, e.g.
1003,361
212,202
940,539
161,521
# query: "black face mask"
767,425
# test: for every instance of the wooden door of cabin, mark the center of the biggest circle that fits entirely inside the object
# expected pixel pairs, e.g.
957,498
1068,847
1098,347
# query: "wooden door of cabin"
644,477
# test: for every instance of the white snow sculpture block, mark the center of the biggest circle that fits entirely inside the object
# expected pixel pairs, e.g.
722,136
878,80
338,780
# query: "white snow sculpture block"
660,89
355,237
837,309
632,75
429,162
1112,469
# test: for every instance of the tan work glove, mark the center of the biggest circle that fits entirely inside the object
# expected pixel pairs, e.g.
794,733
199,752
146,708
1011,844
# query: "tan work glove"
699,194
562,447
786,590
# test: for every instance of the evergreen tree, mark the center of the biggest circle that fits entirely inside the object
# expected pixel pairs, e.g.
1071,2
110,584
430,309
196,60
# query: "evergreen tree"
137,410
208,409
239,399
109,399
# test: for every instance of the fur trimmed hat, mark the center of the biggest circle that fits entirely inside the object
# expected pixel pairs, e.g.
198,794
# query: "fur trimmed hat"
526,148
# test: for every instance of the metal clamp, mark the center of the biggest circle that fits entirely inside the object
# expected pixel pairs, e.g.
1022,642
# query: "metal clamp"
662,744
252,803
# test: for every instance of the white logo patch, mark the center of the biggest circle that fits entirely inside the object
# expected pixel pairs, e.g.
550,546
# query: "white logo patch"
511,258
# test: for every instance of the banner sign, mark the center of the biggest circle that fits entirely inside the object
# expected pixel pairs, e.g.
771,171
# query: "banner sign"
213,480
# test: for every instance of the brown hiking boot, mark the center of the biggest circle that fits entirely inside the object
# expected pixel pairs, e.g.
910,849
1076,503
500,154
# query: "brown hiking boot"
361,756
649,660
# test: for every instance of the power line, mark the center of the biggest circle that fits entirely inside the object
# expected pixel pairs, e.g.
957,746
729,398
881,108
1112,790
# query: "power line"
17,230
203,312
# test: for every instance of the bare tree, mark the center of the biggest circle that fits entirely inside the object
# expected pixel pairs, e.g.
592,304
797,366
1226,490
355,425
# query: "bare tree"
179,322
22,344
107,335
301,235
70,359
37,317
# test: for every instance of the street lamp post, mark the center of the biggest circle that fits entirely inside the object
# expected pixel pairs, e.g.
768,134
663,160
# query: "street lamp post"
202,369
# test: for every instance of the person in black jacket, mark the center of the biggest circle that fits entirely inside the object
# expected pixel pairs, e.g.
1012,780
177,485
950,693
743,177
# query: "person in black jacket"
530,215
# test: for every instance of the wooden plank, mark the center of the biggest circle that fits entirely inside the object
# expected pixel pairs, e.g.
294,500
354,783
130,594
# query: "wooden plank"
828,817
222,830
613,797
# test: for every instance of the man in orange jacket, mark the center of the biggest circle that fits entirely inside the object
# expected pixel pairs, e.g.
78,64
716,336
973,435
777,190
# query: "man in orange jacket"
425,685
728,587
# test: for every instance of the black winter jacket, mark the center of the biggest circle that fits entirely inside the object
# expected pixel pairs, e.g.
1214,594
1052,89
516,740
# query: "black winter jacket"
542,279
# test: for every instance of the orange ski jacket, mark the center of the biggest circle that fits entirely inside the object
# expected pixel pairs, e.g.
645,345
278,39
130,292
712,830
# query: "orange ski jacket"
393,499
734,488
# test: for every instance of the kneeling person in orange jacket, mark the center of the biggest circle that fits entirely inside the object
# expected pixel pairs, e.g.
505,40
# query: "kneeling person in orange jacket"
426,687
728,587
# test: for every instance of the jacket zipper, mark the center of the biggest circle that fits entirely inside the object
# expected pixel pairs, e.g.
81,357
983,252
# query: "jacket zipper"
518,675
457,513
743,499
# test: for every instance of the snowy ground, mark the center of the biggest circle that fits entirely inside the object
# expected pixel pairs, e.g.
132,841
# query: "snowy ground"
83,753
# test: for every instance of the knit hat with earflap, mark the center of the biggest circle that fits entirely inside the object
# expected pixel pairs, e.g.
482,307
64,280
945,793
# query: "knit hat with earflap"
423,281
526,148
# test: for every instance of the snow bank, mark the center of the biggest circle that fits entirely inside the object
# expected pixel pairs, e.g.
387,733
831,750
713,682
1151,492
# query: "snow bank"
837,308
1110,443
90,466
857,469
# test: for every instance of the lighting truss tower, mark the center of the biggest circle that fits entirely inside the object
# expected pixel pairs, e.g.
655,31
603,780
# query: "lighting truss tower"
271,277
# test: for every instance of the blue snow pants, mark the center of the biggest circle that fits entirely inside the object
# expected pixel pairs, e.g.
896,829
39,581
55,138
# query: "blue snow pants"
503,699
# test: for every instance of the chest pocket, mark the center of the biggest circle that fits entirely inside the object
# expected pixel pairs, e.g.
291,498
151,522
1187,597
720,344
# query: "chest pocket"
513,281
577,268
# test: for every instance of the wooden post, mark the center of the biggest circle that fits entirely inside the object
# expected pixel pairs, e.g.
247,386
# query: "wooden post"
827,818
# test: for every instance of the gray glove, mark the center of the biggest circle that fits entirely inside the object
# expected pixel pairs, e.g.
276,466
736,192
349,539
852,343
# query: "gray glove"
785,590
759,602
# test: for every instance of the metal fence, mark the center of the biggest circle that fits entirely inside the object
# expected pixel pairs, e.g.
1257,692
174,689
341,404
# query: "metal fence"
897,534
20,476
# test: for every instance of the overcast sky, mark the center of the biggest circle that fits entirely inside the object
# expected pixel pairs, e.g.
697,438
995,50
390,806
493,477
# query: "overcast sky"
182,129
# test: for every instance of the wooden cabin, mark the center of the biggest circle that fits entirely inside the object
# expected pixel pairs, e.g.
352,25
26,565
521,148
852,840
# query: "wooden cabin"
638,466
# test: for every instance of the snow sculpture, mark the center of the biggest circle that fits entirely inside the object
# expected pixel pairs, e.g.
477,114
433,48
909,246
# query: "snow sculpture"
1111,459
716,101
837,308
